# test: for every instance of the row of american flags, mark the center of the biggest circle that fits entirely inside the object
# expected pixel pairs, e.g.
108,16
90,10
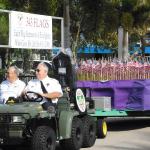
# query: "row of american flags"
113,69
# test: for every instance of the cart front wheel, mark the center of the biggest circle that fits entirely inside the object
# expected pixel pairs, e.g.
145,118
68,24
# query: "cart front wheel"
44,139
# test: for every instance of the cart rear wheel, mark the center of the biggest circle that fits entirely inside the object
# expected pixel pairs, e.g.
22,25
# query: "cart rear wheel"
102,128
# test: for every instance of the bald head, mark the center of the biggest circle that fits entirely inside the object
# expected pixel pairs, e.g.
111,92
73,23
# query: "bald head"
41,71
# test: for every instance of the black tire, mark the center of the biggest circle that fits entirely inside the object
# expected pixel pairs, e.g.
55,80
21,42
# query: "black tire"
101,128
6,147
75,142
89,135
44,138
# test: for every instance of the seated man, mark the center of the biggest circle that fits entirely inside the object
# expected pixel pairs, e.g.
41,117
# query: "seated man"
12,86
47,87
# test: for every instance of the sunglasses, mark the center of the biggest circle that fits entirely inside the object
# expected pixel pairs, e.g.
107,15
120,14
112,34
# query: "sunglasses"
9,72
37,70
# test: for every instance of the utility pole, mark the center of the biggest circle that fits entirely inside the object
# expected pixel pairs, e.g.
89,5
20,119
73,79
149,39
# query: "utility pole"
125,52
122,38
120,43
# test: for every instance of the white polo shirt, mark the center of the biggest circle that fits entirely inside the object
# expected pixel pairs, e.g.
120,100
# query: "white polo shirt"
8,89
51,85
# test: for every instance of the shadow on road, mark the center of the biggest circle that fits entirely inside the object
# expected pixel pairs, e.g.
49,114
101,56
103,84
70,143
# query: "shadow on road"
16,147
125,124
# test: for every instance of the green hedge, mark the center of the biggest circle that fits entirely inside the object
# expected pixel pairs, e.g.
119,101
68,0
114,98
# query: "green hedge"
2,74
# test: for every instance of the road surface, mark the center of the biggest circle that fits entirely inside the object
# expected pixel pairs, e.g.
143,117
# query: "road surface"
123,134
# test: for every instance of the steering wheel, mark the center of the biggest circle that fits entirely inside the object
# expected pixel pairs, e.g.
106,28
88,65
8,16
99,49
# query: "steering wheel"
33,96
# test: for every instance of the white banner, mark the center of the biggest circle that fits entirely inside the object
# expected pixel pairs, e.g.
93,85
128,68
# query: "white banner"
30,31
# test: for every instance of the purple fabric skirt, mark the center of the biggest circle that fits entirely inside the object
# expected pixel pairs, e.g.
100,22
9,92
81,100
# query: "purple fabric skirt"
125,94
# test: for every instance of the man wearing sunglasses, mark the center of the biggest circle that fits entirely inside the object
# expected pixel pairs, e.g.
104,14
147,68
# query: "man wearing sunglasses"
12,86
47,87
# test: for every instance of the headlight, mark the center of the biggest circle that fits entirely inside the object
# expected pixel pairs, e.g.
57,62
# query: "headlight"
17,119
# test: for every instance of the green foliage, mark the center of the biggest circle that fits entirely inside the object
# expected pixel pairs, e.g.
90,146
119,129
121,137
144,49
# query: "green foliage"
3,23
2,74
4,4
92,21
134,38
46,7
97,20
4,29
127,20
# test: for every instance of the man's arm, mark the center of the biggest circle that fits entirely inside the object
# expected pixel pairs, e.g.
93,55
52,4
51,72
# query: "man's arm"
52,95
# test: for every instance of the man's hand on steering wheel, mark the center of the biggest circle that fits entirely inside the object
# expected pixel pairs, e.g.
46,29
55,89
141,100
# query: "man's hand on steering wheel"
33,96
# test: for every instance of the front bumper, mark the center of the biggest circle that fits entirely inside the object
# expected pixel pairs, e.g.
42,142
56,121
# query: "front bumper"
11,128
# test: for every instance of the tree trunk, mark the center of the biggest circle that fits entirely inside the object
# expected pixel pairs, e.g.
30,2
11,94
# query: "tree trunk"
66,24
3,57
7,57
26,61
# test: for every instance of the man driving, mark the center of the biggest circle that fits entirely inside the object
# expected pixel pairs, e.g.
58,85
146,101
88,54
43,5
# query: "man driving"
47,87
12,86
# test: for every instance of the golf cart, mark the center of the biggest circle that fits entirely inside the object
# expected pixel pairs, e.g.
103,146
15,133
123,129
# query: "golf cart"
69,123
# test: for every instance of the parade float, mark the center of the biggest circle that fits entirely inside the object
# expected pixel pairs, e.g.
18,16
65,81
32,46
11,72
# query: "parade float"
118,89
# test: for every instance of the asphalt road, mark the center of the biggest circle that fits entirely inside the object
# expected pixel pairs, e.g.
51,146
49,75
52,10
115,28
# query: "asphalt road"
123,134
